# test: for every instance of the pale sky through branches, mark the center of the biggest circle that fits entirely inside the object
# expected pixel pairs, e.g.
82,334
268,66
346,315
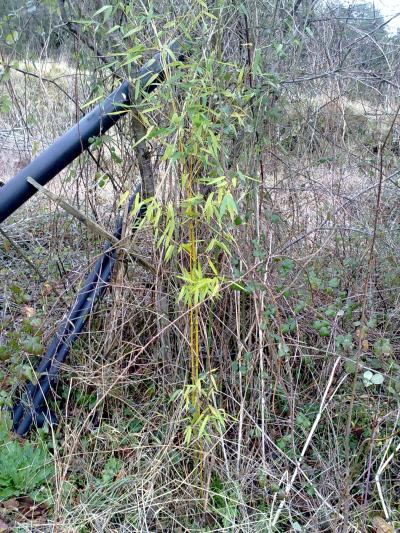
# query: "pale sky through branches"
388,8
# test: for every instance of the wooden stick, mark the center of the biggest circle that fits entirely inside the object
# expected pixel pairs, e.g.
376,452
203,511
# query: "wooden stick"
89,223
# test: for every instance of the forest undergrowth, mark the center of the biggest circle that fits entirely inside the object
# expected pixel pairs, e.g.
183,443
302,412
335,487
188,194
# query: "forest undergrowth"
248,381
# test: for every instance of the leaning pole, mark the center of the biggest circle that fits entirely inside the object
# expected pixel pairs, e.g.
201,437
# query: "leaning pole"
76,140
32,406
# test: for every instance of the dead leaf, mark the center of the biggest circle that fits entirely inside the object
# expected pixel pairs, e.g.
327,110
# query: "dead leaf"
4,528
381,526
121,474
11,504
26,506
29,312
46,288
30,509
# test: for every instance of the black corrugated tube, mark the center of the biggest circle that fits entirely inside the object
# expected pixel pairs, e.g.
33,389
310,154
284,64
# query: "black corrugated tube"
17,191
76,140
30,407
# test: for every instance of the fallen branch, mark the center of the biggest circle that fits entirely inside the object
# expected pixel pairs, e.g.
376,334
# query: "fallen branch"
306,444
90,224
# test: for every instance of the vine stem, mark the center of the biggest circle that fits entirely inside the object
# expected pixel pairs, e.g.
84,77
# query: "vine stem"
307,443
362,329
194,320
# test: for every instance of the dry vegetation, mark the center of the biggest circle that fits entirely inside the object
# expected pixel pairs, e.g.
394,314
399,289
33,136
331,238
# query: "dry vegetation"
272,403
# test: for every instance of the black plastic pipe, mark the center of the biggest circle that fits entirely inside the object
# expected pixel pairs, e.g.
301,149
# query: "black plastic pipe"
30,406
76,140
18,190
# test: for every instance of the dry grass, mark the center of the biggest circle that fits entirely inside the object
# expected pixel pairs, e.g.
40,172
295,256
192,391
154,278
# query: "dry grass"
119,453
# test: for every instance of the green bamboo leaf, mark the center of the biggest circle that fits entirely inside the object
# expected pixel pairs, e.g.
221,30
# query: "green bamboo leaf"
188,435
123,198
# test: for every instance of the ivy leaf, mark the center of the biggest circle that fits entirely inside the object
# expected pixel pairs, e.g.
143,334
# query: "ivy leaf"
12,37
383,347
283,349
377,379
32,344
350,366
5,352
369,378
303,421
333,283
